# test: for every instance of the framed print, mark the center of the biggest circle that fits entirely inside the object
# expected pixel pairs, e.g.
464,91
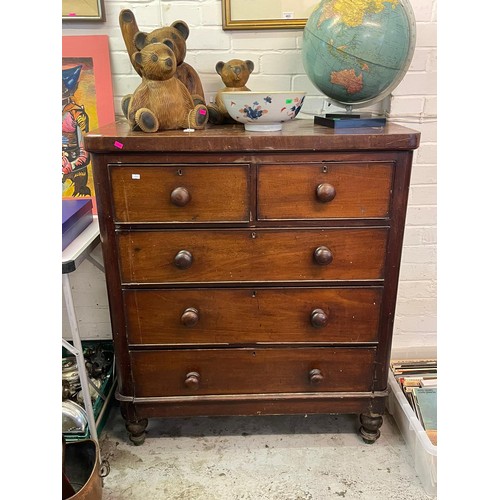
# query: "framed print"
83,10
87,103
266,14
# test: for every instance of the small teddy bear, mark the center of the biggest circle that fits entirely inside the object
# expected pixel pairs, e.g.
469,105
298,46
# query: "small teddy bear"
177,33
161,101
235,74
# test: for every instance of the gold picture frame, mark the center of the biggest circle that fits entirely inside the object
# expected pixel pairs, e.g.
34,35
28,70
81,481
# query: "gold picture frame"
83,10
266,14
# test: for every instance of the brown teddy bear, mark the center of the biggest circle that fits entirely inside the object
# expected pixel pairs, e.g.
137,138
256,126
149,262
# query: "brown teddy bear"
161,101
177,33
234,74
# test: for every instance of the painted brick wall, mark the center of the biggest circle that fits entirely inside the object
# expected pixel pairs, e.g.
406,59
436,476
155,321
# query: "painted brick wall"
278,66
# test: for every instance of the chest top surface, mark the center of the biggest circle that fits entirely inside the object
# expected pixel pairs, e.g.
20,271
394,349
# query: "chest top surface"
298,135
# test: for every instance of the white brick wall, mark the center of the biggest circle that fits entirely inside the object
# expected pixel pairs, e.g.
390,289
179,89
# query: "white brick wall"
278,65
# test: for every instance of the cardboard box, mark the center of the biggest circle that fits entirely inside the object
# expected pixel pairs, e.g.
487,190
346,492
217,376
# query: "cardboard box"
76,216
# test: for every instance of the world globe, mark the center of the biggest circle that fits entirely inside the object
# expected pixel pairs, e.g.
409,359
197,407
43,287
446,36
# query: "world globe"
357,51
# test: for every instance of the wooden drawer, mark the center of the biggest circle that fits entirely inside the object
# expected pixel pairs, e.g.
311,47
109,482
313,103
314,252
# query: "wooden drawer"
249,256
324,191
244,316
251,371
180,193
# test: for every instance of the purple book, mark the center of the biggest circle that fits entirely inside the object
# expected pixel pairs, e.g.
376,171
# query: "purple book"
76,216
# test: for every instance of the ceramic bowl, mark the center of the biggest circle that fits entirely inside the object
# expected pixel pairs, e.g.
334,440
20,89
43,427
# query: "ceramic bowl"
263,111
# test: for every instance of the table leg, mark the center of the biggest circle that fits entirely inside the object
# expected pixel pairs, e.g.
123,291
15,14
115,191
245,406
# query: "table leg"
78,352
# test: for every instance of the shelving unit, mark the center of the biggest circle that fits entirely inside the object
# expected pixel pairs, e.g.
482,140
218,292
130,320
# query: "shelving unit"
72,256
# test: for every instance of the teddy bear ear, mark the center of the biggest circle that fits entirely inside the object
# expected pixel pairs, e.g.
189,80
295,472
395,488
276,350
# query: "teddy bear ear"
140,40
137,56
219,66
169,43
250,65
182,27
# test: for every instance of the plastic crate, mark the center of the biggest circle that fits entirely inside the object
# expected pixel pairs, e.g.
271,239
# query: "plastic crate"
101,407
423,452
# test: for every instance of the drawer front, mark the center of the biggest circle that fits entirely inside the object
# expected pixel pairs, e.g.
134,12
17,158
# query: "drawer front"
324,191
249,256
251,371
229,316
180,194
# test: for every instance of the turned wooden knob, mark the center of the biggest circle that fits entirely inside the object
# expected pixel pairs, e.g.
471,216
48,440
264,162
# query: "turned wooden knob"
325,192
190,317
192,380
323,256
183,259
180,196
319,318
315,376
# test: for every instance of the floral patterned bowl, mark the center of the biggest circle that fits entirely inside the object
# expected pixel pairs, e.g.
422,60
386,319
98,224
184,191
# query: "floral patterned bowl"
263,111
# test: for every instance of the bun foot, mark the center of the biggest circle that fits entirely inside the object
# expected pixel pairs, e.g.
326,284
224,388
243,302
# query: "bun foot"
137,431
370,427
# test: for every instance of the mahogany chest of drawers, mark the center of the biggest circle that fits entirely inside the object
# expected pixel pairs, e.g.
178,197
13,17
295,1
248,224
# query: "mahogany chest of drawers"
252,273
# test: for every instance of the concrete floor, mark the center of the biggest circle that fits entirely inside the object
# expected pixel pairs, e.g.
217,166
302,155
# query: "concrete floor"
317,457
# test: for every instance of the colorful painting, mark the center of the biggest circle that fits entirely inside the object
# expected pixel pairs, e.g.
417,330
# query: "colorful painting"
87,103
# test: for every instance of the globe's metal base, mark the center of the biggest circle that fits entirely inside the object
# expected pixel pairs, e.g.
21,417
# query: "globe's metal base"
349,120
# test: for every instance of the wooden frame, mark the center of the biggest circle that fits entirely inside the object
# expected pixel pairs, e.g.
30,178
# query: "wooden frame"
83,10
266,14
91,103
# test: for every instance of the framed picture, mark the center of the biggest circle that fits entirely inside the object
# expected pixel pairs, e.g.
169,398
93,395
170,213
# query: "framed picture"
266,14
83,10
87,103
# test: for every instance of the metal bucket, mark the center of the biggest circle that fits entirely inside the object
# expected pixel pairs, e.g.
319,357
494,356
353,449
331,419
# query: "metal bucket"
82,479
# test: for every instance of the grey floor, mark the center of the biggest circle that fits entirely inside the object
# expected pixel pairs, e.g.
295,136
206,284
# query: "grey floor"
311,457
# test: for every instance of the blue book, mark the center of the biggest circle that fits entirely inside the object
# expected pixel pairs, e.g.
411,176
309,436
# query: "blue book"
426,406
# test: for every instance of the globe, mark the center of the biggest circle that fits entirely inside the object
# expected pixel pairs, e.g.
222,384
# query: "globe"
357,51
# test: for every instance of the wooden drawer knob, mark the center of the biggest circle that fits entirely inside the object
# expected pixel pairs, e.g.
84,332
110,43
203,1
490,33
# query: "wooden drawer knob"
183,259
319,318
325,192
190,317
180,196
323,256
192,380
315,376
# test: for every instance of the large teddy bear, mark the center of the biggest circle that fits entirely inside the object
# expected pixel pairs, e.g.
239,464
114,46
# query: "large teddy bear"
234,74
177,33
161,101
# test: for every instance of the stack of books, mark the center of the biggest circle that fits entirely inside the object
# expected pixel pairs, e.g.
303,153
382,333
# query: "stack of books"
418,381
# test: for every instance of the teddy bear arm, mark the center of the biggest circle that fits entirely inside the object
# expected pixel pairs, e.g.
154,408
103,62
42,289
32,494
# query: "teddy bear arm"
129,28
140,99
219,103
190,78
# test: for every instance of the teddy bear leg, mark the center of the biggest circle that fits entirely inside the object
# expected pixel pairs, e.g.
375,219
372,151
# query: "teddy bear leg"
198,117
215,115
146,120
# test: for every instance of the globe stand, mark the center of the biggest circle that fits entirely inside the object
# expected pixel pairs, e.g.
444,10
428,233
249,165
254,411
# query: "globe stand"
349,120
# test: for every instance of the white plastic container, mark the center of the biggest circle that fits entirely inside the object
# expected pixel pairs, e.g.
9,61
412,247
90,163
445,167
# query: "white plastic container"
423,452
